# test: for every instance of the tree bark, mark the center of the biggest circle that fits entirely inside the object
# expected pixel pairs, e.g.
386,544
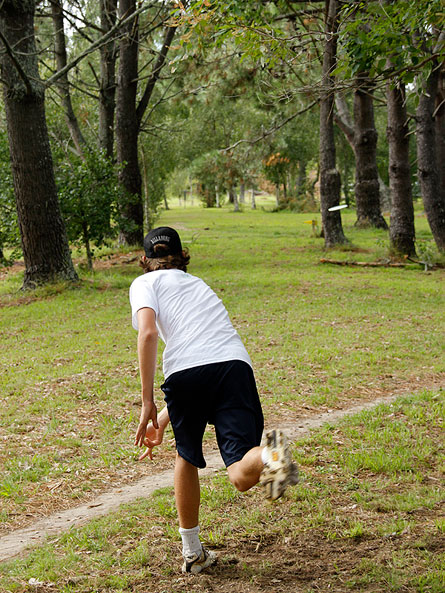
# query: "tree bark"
127,130
233,198
129,117
242,192
45,246
87,245
367,189
62,83
427,162
301,179
329,175
440,130
107,91
401,230
344,121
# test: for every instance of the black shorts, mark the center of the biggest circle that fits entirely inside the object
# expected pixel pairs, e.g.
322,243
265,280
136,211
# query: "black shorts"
223,394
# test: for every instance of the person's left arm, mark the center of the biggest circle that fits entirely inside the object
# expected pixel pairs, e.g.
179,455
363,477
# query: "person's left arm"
147,353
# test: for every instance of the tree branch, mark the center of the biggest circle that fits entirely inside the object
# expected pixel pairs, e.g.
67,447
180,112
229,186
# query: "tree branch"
270,131
168,38
17,64
94,46
63,83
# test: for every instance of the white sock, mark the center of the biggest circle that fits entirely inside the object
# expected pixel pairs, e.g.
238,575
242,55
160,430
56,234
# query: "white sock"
265,455
190,541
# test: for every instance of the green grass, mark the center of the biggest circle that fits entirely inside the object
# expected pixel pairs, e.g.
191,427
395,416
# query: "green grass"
326,534
319,336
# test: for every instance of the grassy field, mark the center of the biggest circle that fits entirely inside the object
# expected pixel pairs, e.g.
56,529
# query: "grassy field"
366,517
320,337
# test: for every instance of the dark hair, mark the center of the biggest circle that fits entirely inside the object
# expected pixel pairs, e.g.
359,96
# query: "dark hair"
163,261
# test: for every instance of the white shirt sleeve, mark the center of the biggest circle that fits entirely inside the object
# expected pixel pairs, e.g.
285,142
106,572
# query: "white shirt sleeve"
142,295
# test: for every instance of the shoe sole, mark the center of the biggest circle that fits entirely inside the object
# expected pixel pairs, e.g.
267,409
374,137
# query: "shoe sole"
280,472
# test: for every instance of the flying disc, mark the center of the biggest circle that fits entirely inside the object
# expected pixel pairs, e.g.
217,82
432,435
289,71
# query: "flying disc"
340,207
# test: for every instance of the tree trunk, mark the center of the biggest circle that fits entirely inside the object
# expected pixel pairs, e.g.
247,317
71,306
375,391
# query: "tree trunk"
329,176
127,130
233,198
242,192
145,198
87,245
129,119
346,174
367,190
236,207
107,91
401,230
344,121
440,130
63,84
45,246
385,196
252,201
301,179
427,162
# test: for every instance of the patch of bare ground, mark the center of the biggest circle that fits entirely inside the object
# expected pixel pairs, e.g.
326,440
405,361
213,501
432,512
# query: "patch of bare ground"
16,267
82,485
307,562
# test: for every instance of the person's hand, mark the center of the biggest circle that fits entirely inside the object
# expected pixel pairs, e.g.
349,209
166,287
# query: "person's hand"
148,412
153,438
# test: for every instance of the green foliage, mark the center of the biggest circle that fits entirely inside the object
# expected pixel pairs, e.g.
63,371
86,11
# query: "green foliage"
251,25
158,157
427,253
88,193
9,231
211,173
400,31
276,167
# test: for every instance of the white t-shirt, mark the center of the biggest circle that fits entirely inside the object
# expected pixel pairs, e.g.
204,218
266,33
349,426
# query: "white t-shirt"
191,319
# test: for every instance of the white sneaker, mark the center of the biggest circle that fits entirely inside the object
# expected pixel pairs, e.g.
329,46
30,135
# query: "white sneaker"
195,563
279,471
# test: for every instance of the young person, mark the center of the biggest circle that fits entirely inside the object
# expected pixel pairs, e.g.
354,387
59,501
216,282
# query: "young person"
208,379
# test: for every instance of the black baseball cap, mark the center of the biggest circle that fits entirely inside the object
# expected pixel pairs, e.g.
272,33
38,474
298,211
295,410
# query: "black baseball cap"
165,236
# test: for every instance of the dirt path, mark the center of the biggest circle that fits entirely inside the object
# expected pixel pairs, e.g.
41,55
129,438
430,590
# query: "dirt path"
18,541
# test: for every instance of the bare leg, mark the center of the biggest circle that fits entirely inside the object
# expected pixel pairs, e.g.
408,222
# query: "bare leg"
187,493
246,472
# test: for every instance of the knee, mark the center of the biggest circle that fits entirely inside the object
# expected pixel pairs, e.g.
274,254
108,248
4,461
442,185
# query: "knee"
240,485
237,480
